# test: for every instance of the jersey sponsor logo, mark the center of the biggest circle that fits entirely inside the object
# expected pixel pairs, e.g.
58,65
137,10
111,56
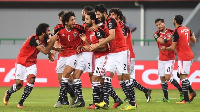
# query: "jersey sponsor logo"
63,35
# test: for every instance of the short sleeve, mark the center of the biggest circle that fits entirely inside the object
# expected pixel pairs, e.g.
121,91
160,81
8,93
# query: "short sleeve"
112,24
100,33
175,36
34,42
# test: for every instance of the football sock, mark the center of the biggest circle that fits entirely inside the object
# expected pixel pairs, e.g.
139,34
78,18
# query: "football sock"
190,89
106,89
123,86
131,91
12,89
165,89
65,85
139,86
113,94
27,90
78,88
96,92
175,83
185,86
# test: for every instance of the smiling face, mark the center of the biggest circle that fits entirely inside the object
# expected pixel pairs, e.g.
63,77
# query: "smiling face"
88,21
71,22
100,16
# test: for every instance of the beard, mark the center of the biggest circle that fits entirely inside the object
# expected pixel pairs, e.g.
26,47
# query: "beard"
102,19
89,24
83,17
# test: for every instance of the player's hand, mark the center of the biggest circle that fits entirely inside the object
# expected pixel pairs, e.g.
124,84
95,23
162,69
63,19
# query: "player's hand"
79,49
60,49
163,48
86,48
92,47
83,37
51,57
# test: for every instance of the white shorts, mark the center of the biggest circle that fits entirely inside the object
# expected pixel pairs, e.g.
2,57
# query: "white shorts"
119,61
165,67
184,66
64,61
21,72
86,62
99,66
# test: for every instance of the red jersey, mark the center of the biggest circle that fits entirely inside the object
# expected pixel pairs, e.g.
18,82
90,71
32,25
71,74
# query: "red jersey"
127,32
165,55
28,52
182,36
88,35
57,28
118,44
95,36
70,40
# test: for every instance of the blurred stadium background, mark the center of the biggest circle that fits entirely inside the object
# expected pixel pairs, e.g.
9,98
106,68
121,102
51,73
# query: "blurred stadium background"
19,18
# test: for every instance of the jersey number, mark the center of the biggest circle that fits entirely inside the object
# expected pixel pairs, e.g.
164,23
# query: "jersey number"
124,66
187,35
68,37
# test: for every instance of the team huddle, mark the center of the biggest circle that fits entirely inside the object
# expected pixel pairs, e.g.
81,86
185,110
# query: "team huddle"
101,46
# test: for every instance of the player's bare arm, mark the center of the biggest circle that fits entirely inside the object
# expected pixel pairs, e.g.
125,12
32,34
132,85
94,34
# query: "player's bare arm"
170,48
193,38
49,46
84,39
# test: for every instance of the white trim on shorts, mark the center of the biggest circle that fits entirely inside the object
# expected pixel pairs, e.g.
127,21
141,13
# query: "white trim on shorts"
184,66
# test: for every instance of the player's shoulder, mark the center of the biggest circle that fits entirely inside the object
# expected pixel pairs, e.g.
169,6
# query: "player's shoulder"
59,26
79,27
170,30
157,32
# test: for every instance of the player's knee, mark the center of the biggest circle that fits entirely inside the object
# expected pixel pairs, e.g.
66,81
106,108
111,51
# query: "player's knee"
19,85
95,78
31,79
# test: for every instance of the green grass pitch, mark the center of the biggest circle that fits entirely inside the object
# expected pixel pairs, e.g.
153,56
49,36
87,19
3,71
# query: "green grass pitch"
42,99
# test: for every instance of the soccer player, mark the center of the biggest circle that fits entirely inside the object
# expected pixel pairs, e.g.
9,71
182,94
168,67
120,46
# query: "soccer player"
70,41
57,45
117,57
26,61
181,42
84,64
166,59
117,14
100,55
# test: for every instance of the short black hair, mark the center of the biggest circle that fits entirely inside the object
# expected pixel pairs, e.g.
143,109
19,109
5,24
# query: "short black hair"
93,16
67,15
101,8
179,19
60,14
117,11
159,19
42,27
88,8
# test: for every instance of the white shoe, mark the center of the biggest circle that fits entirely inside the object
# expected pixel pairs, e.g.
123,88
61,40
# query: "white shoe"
72,100
58,104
